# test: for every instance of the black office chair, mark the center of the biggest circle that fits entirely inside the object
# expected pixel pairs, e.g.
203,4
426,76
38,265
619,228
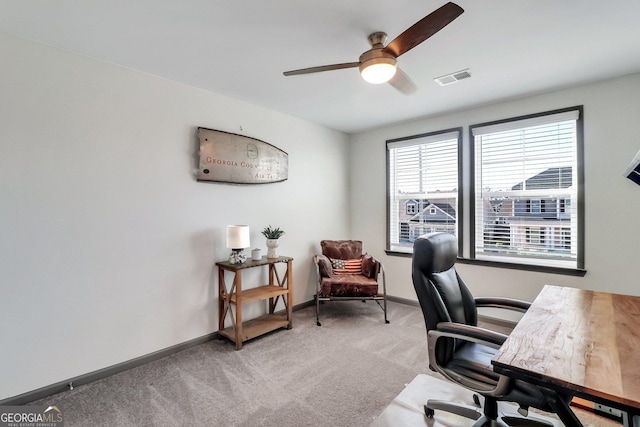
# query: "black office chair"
458,349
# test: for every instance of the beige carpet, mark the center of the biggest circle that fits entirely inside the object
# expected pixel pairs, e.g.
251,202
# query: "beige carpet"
344,373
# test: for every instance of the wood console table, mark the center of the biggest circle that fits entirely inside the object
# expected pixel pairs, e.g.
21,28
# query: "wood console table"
231,298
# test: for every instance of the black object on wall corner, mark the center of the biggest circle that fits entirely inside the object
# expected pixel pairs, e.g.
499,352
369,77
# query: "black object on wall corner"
633,170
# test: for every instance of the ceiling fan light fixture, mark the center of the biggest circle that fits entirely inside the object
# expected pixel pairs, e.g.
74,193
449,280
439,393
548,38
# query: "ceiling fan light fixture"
379,65
378,70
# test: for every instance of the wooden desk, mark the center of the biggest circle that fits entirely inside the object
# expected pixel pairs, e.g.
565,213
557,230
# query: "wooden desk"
583,342
233,296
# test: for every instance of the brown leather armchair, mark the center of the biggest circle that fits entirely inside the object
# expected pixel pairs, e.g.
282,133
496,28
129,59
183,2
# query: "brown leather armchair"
345,273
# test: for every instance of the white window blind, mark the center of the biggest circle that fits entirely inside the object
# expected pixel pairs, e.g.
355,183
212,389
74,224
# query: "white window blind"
422,174
526,191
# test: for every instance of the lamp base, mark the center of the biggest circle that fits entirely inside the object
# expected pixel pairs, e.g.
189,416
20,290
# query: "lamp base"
237,256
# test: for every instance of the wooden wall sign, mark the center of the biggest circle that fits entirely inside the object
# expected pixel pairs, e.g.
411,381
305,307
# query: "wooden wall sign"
228,157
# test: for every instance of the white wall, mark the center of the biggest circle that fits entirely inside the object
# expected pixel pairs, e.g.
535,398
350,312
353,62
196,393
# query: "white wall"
107,242
611,114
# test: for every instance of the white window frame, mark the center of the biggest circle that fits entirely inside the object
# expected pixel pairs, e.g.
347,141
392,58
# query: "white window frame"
541,257
447,137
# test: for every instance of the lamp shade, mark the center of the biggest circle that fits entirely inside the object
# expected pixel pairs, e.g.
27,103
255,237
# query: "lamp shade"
378,70
238,236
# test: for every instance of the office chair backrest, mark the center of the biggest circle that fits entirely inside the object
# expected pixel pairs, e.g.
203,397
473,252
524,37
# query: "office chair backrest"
442,294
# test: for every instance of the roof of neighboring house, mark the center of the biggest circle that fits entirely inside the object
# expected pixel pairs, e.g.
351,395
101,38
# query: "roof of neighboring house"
446,208
549,178
446,211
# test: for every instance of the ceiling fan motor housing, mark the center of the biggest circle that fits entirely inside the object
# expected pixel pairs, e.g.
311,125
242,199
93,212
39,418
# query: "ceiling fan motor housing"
377,39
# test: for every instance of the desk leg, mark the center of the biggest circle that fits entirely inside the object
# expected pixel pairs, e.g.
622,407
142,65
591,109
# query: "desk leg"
221,299
272,282
237,280
290,293
562,409
630,419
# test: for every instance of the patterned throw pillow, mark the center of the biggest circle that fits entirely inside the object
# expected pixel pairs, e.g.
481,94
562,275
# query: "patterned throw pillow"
346,266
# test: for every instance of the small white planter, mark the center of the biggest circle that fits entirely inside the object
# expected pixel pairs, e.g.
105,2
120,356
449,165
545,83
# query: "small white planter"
272,248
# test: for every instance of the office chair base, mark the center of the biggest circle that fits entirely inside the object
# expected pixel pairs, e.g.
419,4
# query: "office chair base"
475,413
466,411
507,421
516,421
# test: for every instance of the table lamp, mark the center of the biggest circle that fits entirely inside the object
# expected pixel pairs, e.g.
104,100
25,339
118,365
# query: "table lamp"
237,240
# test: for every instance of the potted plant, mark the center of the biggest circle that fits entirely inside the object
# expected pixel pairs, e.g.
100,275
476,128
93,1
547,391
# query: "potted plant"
272,235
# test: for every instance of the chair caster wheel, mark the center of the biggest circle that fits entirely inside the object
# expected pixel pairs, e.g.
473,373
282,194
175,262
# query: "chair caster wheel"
429,412
318,323
476,400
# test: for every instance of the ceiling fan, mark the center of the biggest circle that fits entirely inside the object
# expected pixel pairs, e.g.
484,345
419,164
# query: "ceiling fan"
379,64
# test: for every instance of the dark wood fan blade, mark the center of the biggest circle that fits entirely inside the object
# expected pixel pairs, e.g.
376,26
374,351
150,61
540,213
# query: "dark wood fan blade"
402,82
423,29
322,68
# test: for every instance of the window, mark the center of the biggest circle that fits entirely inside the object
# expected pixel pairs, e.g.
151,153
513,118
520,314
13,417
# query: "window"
534,206
535,235
523,191
412,207
422,170
528,190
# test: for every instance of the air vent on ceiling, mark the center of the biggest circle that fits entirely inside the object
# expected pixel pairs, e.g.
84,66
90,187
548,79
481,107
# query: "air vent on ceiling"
453,77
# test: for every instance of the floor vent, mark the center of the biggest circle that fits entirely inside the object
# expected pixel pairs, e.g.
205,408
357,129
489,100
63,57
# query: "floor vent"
453,77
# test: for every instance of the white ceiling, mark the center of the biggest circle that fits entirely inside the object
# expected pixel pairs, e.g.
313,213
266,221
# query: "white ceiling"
239,48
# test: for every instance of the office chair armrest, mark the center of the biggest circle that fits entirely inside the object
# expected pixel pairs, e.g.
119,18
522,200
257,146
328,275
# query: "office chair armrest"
469,333
505,303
